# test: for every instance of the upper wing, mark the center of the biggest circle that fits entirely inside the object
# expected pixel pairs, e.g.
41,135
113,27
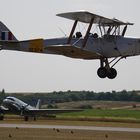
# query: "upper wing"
84,16
38,112
73,52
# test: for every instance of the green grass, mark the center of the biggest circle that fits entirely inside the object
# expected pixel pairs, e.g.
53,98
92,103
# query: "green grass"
118,113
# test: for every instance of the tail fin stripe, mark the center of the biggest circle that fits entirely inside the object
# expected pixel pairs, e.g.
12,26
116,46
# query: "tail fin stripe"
10,36
2,35
6,35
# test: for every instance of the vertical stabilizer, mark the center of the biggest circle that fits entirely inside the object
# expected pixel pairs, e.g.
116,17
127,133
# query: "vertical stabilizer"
38,105
5,33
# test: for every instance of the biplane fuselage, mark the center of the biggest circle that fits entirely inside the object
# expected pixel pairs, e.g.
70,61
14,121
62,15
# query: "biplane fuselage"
111,43
108,46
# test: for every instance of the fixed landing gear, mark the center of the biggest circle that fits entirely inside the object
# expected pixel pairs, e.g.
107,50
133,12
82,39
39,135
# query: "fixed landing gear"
105,70
102,72
112,73
26,118
1,117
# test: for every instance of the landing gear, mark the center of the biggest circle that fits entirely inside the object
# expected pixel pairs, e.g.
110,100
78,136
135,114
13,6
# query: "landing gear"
26,118
105,70
102,72
34,118
1,117
112,73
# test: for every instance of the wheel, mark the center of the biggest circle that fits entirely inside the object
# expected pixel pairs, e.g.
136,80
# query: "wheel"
102,72
112,73
1,117
34,118
26,118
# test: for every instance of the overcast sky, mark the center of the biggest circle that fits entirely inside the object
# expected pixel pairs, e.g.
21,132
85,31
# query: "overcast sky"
28,72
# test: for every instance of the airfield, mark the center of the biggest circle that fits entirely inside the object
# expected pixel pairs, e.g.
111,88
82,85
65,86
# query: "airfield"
67,130
112,121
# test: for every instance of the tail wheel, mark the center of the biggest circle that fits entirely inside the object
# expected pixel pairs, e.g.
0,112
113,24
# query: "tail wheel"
112,73
102,72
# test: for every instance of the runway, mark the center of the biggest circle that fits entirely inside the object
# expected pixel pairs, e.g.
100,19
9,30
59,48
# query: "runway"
116,129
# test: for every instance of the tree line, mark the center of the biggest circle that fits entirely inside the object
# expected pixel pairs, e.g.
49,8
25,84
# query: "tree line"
68,96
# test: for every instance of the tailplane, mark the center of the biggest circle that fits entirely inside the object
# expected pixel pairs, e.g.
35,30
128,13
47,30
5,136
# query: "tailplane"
6,34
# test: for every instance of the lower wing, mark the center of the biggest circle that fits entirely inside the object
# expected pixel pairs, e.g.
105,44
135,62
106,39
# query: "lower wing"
39,112
73,52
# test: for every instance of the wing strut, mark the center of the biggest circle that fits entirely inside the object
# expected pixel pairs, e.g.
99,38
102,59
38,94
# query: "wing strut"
72,31
87,33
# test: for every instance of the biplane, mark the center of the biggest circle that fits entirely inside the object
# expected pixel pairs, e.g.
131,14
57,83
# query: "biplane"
109,45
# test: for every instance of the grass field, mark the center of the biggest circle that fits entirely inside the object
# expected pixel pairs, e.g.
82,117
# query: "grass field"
122,113
102,113
61,134
100,104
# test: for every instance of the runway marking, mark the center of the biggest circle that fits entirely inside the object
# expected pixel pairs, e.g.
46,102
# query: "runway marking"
119,129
